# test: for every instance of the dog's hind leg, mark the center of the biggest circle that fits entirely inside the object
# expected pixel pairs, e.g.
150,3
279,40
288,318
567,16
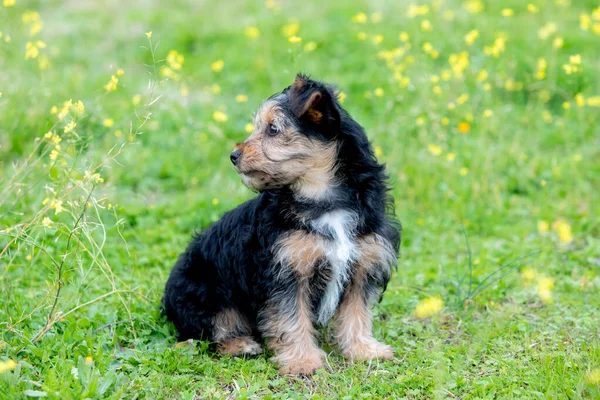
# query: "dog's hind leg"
232,333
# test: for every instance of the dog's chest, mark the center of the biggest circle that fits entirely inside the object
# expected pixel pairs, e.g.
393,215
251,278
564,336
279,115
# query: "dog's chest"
339,227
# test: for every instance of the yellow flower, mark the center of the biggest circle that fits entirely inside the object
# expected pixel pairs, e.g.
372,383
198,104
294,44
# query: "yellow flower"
120,72
361,35
241,98
32,49
294,39
426,26
458,63
360,18
378,92
450,157
57,206
482,75
558,42
215,202
437,90
488,113
529,274
111,86
544,289
217,66
445,121
414,10
591,378
543,226
215,89
378,151
175,60
46,222
10,364
464,171
473,6
580,99
149,35
464,127
310,46
290,30
463,98
547,30
251,32
78,107
585,21
9,3
378,39
471,37
446,74
341,97
108,122
593,101
434,149
532,8
575,59
542,65
88,360
271,4
118,133
428,307
220,116
451,106
404,37
564,231
249,127
70,126
507,12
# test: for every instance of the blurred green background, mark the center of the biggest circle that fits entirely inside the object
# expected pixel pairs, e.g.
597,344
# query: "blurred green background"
486,114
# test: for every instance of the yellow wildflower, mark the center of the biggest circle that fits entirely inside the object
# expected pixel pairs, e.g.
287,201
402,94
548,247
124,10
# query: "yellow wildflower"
310,46
111,86
378,39
547,30
585,21
341,97
482,75
529,274
404,37
290,30
473,6
558,42
450,157
78,107
57,206
241,98
378,151
414,10
70,126
429,307
294,39
426,26
361,36
458,63
217,66
542,65
175,60
271,4
32,49
108,122
532,8
88,360
434,149
251,32
136,99
464,127
463,98
488,113
249,127
564,231
593,101
360,18
46,222
543,226
445,121
215,88
120,72
118,133
580,99
149,35
378,92
566,105
464,171
10,364
220,116
507,12
471,37
215,202
544,289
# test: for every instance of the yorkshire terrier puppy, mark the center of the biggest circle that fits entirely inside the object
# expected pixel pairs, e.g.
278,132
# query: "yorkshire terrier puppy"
318,242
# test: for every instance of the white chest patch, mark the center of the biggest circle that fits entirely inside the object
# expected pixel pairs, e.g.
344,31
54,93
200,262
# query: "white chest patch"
340,226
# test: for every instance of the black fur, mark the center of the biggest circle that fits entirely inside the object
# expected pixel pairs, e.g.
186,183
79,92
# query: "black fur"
229,265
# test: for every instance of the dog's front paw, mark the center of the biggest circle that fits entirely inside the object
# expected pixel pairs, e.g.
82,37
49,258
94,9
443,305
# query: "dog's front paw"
370,350
240,346
303,364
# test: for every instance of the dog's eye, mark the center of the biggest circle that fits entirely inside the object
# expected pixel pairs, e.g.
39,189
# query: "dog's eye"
273,130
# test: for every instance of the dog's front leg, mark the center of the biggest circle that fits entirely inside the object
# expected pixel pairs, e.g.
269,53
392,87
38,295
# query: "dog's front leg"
287,325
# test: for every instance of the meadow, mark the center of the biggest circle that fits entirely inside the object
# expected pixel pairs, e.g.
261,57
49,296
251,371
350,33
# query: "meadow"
116,123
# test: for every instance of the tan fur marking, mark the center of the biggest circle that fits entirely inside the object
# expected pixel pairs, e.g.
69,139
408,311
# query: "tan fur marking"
292,337
239,346
229,324
354,318
301,251
319,177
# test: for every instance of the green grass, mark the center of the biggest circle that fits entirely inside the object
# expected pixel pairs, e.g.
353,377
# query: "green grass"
531,161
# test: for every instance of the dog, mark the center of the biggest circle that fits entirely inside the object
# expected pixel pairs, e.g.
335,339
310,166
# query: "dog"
319,242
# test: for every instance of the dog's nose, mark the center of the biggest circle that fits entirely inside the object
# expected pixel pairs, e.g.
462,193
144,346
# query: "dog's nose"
235,156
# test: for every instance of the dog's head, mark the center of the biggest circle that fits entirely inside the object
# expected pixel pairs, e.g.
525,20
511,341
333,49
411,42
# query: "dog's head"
294,142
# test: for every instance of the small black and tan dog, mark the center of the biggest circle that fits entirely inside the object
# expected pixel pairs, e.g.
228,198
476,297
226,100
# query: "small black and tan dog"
319,241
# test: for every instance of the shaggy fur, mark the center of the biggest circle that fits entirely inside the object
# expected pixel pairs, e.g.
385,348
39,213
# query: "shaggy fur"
319,240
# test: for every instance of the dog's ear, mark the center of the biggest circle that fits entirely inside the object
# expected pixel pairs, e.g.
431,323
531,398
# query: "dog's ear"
313,101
